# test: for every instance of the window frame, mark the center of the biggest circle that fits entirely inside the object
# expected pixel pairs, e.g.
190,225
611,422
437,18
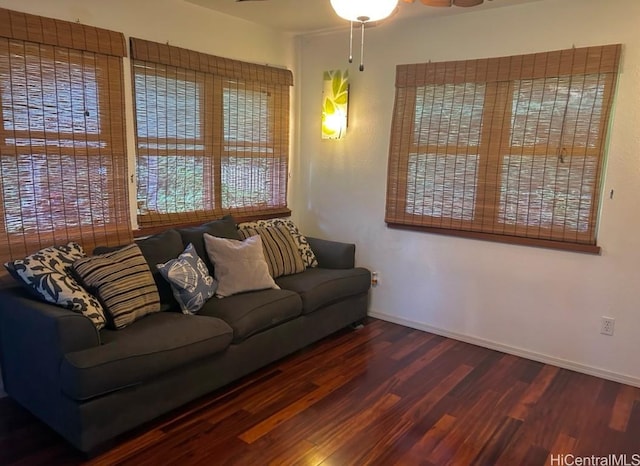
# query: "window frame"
221,74
499,76
78,50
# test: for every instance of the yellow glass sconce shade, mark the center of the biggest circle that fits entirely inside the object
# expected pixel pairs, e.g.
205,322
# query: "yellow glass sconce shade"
335,104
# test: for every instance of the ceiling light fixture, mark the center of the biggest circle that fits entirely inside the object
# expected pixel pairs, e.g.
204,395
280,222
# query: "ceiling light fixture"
362,11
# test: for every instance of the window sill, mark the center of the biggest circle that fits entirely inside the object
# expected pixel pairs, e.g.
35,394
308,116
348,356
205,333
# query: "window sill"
238,218
540,243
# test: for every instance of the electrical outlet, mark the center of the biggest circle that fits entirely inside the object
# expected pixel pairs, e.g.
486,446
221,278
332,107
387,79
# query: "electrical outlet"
607,326
375,277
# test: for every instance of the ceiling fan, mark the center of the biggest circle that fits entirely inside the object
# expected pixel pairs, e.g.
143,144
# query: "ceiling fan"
463,3
366,12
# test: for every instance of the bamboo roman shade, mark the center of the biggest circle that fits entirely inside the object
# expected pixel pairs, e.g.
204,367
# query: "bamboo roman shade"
212,135
510,149
63,168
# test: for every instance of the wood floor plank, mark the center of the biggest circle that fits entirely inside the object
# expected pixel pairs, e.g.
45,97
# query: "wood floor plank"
413,342
381,395
292,409
416,454
622,408
564,445
498,441
484,418
535,391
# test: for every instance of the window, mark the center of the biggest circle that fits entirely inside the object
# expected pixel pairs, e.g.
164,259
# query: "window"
509,149
62,165
212,135
174,173
254,173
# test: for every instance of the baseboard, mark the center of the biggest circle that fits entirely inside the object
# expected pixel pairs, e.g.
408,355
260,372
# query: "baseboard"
524,353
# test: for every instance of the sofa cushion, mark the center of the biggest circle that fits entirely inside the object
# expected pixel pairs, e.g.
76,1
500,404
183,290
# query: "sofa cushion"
251,313
239,266
48,276
319,287
190,280
158,249
156,344
223,228
123,283
280,249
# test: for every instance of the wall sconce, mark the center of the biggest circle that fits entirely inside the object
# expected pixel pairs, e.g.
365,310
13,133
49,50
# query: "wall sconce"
335,104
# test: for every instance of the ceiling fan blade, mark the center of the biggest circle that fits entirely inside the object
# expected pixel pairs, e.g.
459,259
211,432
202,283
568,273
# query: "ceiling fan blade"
466,3
437,2
463,3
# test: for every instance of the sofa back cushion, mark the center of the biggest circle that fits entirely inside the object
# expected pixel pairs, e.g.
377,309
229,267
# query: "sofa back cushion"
223,228
158,249
123,283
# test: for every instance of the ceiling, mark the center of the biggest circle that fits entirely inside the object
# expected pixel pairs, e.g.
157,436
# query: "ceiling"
317,15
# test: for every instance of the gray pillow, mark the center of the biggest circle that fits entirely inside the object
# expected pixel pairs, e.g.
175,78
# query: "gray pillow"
190,280
239,265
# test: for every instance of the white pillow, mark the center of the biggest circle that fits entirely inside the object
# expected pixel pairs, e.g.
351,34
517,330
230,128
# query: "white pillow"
238,266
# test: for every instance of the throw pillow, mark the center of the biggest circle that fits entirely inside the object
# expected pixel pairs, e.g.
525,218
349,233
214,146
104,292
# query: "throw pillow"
308,257
123,282
280,250
47,274
190,280
239,265
222,228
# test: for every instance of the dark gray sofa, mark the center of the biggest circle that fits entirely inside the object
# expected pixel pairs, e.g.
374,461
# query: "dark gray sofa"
91,386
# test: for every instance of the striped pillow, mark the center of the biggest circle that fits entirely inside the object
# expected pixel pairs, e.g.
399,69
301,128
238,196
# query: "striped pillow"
280,249
308,257
123,283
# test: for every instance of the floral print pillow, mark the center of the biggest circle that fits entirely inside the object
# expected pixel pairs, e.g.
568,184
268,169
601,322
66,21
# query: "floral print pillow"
190,280
47,274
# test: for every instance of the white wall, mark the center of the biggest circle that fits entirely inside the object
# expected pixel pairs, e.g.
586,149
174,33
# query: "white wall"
177,22
540,303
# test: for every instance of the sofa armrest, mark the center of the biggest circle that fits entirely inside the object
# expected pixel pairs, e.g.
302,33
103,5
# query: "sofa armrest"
35,336
333,254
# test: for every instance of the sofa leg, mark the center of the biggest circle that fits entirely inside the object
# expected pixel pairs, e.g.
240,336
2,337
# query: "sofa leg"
358,324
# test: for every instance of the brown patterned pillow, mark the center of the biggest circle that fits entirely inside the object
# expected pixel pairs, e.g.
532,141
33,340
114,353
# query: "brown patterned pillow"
308,257
123,283
280,249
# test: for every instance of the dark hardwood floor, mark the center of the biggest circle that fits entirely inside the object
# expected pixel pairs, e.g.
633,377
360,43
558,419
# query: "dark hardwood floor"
384,394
